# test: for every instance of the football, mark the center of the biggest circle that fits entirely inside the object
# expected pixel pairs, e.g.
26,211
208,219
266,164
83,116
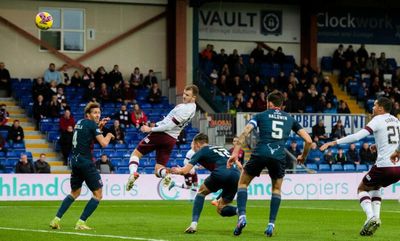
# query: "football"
43,20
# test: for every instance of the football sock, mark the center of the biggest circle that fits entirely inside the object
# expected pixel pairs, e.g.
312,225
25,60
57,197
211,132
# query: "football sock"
365,202
89,209
133,164
162,172
182,185
68,200
274,207
229,211
241,201
376,199
197,207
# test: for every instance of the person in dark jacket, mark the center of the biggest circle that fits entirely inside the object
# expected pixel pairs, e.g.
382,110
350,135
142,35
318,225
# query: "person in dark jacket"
41,166
16,133
66,143
24,166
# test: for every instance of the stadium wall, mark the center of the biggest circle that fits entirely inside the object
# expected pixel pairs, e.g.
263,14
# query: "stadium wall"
145,49
326,186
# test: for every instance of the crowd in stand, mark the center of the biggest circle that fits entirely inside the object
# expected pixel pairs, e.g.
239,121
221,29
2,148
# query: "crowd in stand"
370,75
303,86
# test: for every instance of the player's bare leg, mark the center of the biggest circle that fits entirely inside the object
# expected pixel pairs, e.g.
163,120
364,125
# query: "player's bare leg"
133,167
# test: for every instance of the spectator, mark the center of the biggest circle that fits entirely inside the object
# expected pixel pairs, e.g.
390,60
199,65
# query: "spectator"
53,108
91,93
15,133
207,53
329,108
104,165
328,157
295,152
118,132
60,95
372,62
76,79
258,53
338,58
39,110
340,157
366,154
287,104
261,102
104,94
5,79
127,92
253,69
343,107
41,166
138,117
64,76
213,75
305,63
338,131
279,56
223,86
116,92
236,107
352,154
3,145
155,94
299,103
150,79
4,117
66,120
136,79
319,131
52,74
233,58
315,155
225,70
241,152
123,116
239,68
66,143
349,54
222,58
347,74
383,64
24,166
396,109
115,76
101,76
362,52
52,90
181,140
87,77
40,88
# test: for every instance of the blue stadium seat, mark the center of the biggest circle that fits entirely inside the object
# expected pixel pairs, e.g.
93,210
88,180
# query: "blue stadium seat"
123,170
203,171
312,166
349,167
324,168
361,168
337,167
149,170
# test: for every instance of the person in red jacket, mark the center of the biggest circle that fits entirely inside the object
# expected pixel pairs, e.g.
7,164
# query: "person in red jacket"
138,116
66,120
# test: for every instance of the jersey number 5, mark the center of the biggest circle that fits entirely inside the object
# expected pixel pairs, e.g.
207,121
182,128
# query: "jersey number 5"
277,131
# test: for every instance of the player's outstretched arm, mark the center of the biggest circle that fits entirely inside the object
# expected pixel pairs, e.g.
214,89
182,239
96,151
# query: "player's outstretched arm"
348,139
182,170
307,145
242,139
104,141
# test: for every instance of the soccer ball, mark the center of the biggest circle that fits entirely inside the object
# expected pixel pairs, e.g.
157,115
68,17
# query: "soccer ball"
43,20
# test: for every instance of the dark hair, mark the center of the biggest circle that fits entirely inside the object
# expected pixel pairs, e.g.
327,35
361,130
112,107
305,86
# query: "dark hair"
276,97
90,106
193,88
386,103
201,138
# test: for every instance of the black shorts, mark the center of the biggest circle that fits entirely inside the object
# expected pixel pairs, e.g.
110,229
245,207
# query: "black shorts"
225,179
190,179
84,170
256,164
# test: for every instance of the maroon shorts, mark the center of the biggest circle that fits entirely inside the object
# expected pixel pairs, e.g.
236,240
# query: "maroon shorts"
160,142
190,179
381,176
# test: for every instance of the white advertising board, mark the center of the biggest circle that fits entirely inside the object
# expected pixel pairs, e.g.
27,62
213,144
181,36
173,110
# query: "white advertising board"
296,187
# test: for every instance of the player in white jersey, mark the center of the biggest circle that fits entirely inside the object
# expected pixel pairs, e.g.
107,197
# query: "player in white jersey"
162,137
386,131
191,180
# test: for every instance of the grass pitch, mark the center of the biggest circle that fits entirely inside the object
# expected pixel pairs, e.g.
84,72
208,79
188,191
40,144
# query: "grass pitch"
166,220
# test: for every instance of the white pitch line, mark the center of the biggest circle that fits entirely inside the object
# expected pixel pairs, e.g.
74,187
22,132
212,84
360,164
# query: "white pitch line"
80,234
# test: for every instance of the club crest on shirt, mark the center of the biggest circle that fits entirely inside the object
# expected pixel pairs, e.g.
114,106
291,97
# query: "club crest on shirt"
147,140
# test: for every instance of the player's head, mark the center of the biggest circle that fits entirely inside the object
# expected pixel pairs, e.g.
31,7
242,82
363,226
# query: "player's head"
199,141
275,100
92,111
190,93
382,105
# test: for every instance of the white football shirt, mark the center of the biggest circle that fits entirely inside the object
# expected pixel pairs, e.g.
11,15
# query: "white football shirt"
188,156
386,131
181,115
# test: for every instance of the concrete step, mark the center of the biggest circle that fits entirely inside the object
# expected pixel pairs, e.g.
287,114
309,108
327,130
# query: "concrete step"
37,136
6,99
22,119
32,132
36,141
55,163
15,111
60,170
17,116
40,150
9,103
28,128
34,146
48,155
